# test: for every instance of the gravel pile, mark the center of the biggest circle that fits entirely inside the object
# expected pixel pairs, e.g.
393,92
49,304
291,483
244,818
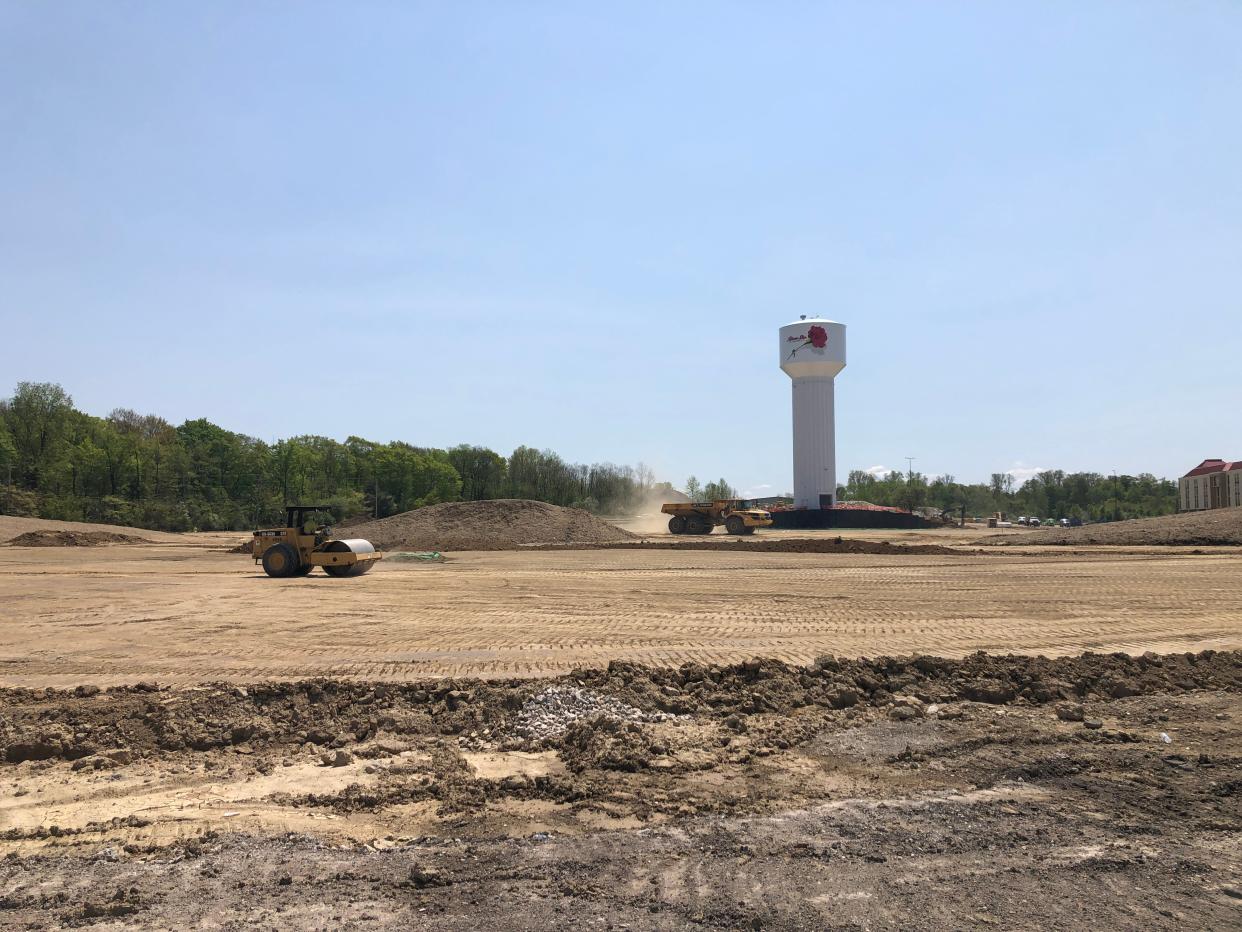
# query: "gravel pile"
549,713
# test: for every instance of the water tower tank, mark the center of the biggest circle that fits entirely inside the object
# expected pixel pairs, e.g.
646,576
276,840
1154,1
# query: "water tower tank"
812,352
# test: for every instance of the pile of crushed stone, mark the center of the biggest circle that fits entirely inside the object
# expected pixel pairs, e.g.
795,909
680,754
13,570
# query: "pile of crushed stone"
500,524
73,539
550,713
1218,527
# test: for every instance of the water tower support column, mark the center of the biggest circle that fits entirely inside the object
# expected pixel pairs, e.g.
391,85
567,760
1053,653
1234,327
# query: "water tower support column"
814,443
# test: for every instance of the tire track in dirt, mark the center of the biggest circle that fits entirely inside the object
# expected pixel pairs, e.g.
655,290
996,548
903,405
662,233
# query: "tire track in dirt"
124,617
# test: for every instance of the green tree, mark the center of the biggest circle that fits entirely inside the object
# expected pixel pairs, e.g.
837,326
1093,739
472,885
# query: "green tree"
37,417
482,471
717,490
8,455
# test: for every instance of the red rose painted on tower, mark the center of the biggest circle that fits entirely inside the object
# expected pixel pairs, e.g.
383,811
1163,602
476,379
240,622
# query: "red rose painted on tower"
815,337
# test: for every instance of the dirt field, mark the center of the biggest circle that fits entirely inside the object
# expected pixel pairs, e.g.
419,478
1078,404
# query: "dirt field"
672,780
1222,526
1071,793
184,613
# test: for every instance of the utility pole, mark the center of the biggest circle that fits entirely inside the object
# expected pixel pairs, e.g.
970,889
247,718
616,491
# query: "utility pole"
909,466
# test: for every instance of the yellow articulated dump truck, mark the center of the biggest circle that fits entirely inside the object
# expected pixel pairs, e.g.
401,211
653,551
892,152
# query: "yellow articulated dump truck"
301,545
703,517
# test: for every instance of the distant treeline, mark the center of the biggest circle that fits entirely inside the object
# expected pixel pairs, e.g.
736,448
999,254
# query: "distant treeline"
1049,494
127,468
139,470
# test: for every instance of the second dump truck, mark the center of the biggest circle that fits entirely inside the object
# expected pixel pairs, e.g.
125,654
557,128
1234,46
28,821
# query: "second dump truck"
703,517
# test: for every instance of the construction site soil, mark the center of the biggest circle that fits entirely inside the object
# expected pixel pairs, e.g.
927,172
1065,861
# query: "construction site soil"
768,545
13,526
634,737
502,524
1218,527
992,791
72,539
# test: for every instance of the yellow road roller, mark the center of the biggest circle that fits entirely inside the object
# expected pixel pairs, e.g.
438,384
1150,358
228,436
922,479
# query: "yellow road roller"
303,544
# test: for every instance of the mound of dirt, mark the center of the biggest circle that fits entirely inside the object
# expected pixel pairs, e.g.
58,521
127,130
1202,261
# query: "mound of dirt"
501,524
1219,527
12,526
38,724
72,539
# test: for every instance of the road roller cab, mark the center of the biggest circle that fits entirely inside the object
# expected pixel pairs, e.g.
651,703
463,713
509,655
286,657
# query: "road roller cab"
306,542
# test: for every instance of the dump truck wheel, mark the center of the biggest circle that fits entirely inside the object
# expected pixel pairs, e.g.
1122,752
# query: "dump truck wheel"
735,525
280,561
748,530
701,527
677,525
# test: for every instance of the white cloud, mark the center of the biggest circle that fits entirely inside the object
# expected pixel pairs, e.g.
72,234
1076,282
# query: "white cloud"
878,471
757,491
1021,473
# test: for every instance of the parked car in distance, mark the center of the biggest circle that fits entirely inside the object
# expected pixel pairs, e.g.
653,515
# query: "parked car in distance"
1032,521
1075,522
1050,522
1022,519
1064,522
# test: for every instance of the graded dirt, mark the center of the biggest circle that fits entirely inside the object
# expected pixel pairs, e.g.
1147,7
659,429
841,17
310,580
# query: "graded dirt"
183,614
767,544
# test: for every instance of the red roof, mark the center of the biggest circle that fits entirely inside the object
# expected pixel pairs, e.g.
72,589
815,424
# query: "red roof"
1211,466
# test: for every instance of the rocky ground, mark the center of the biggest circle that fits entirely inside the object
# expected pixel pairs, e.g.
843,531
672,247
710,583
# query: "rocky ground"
987,792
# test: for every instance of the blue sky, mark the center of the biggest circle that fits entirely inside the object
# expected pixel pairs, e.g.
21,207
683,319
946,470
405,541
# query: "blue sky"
579,226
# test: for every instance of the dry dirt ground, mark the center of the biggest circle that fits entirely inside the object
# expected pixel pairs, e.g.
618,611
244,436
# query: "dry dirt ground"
672,781
1102,791
181,613
1221,526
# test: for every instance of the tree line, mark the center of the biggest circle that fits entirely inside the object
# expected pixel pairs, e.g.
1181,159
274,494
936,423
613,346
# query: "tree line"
139,470
1052,493
709,492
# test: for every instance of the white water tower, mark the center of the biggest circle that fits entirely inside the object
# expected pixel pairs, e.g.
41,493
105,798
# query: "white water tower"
812,353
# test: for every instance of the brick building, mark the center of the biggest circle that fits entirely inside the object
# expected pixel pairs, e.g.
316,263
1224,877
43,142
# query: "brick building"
1211,484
